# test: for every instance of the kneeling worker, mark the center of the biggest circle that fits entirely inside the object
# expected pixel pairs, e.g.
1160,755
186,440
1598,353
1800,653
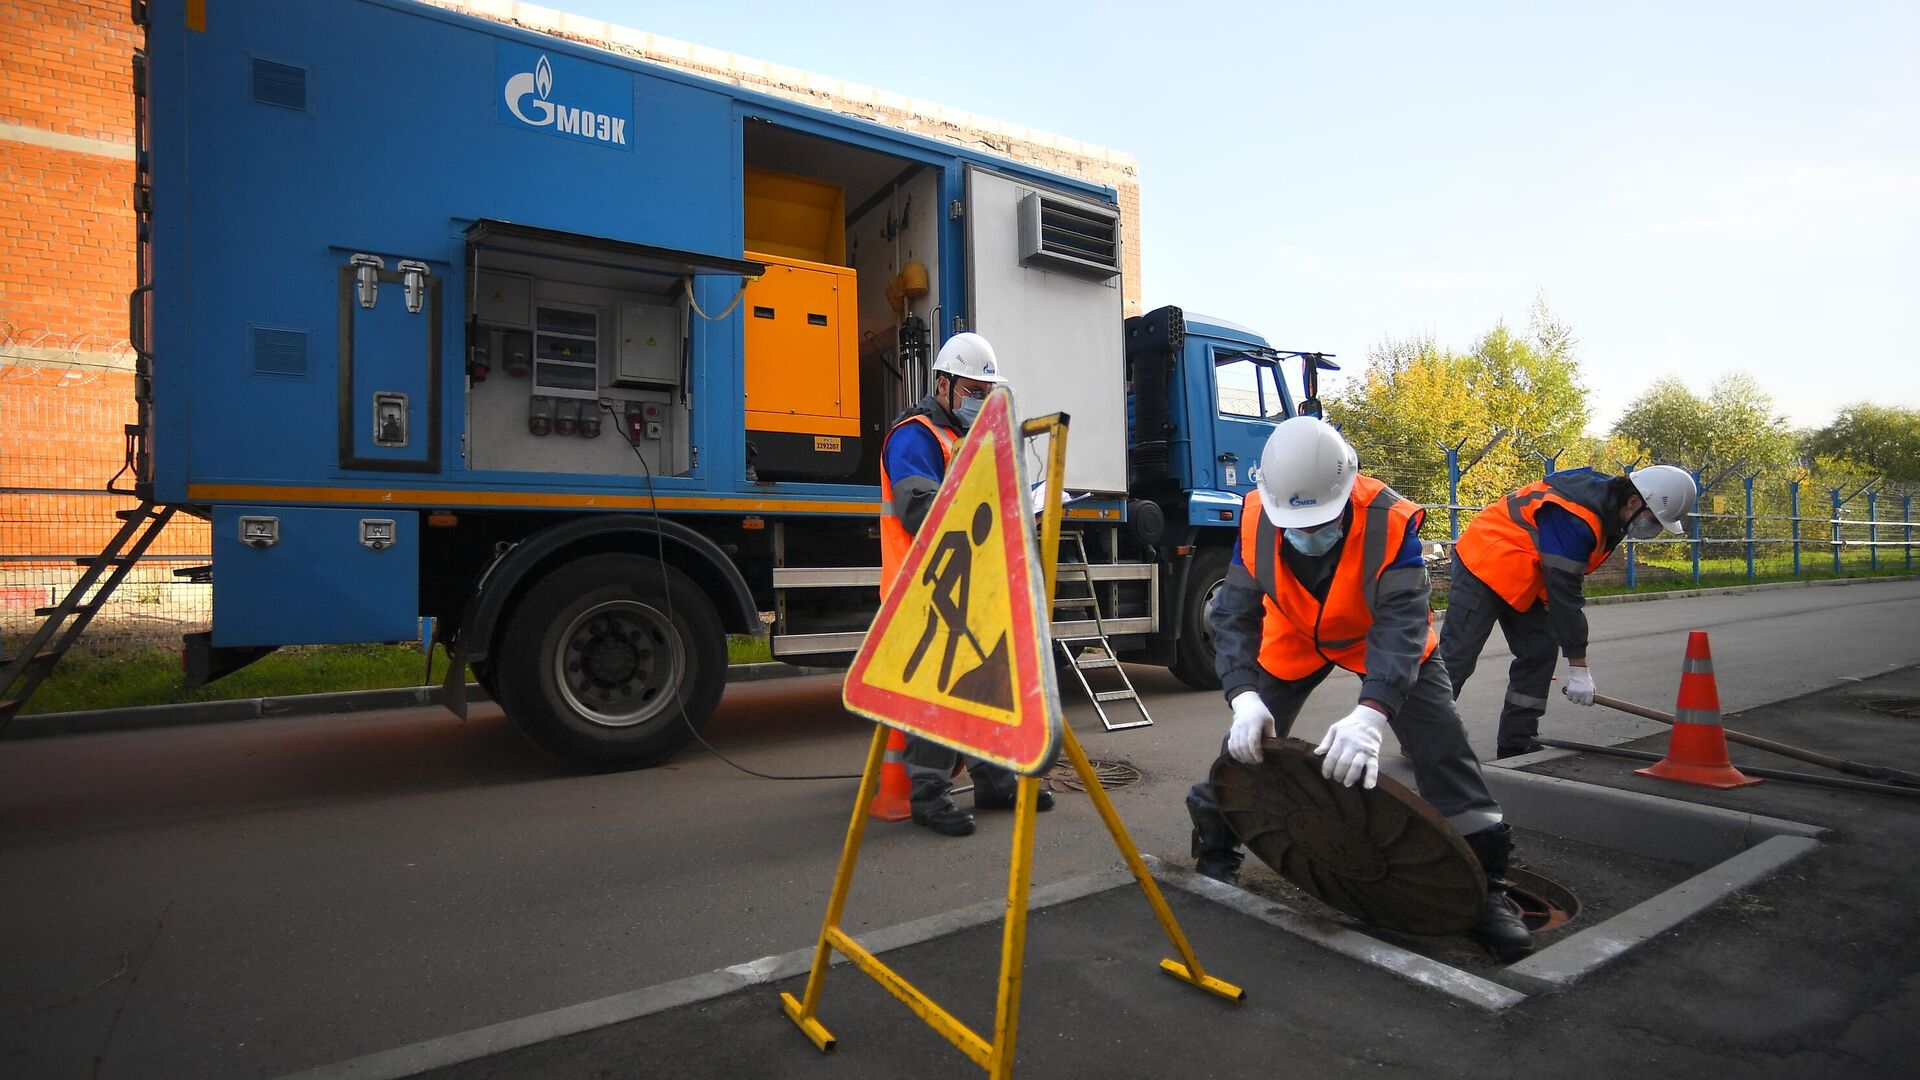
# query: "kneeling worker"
1328,573
1522,563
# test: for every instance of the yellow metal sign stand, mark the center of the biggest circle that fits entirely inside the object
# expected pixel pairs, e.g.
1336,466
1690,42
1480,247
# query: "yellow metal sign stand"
996,1057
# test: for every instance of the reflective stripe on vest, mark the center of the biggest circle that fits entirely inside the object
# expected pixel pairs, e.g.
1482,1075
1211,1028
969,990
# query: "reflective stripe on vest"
1501,545
894,537
1300,634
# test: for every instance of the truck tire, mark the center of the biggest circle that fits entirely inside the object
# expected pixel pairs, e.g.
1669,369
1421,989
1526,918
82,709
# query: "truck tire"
612,661
483,674
1193,664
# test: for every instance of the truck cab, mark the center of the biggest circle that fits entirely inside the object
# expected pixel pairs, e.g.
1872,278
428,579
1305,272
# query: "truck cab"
1204,394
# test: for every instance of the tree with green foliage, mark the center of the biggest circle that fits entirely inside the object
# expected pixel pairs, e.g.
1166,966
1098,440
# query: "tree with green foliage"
1880,439
1414,396
1734,428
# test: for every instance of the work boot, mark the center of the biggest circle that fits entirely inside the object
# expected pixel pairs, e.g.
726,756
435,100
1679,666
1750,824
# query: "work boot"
947,821
1498,927
1217,855
1221,867
1527,747
1006,802
1216,851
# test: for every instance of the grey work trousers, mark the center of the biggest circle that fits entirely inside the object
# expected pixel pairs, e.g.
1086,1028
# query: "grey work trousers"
930,772
1445,771
1473,608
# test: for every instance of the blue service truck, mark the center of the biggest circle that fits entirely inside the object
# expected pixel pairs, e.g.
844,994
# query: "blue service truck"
590,360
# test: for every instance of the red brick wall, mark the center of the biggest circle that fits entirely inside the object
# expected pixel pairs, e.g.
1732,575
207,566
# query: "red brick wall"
68,262
65,67
66,266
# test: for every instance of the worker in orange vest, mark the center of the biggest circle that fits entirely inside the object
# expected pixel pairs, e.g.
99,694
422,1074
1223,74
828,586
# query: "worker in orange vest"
1522,563
1328,573
913,461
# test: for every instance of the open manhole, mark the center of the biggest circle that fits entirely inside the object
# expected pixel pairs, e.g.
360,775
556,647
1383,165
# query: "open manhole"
1907,708
1542,903
1112,774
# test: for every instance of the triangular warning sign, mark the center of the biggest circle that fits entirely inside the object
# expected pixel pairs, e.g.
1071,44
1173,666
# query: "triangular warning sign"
960,652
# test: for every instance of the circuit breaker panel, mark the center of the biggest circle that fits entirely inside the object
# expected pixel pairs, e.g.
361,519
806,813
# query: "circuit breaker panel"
576,366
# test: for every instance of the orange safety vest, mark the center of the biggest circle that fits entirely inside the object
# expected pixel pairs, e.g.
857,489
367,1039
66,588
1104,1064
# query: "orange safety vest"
1299,634
894,537
1501,545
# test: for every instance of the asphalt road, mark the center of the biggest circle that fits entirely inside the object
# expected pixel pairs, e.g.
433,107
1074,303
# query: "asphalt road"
250,899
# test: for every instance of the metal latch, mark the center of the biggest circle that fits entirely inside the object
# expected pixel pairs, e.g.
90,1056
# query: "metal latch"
260,532
377,533
389,418
367,277
415,281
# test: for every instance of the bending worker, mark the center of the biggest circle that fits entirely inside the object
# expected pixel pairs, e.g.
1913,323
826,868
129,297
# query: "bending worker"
1539,544
1327,573
913,461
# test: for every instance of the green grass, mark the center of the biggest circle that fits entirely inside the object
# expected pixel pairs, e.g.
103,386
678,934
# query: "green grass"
742,649
152,676
1673,574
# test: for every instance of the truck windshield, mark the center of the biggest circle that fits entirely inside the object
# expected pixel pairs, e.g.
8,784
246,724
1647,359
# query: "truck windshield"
1248,387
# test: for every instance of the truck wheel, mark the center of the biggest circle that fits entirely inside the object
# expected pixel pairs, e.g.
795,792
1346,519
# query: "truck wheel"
613,661
1194,662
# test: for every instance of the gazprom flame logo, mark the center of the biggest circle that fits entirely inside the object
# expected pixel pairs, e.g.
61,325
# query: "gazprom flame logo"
528,96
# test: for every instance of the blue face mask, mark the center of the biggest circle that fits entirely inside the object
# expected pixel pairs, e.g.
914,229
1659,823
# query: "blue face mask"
968,410
1318,542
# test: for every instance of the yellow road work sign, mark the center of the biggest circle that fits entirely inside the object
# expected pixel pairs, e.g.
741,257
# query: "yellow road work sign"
959,653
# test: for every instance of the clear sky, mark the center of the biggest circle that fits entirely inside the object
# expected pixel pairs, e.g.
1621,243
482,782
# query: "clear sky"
1696,188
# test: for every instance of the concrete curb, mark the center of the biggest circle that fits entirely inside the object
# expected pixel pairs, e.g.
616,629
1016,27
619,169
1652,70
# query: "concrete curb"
1569,961
542,1027
1462,986
1767,586
41,725
37,725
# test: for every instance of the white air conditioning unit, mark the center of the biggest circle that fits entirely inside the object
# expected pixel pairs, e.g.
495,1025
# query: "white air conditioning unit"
1058,233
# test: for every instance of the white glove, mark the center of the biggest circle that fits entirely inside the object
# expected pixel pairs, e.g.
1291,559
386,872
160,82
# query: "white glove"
1251,721
1352,747
1579,688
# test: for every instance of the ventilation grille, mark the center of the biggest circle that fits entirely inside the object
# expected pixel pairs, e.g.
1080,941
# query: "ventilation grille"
280,85
1067,234
279,352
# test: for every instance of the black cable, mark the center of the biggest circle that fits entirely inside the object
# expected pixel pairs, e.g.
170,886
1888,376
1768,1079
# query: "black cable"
660,544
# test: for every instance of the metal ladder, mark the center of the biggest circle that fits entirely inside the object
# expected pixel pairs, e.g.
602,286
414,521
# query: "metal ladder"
65,621
1095,654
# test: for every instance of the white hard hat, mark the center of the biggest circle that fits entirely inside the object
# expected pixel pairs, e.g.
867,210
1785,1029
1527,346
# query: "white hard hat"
1669,492
969,356
1306,473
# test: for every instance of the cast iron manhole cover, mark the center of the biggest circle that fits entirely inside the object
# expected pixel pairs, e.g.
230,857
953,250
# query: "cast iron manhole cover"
1383,855
1905,707
1112,774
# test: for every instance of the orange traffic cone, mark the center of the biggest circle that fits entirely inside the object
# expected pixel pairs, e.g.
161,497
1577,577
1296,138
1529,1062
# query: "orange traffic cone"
891,802
1697,752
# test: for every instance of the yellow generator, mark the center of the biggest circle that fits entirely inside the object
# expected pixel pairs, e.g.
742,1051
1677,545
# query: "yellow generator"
802,336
